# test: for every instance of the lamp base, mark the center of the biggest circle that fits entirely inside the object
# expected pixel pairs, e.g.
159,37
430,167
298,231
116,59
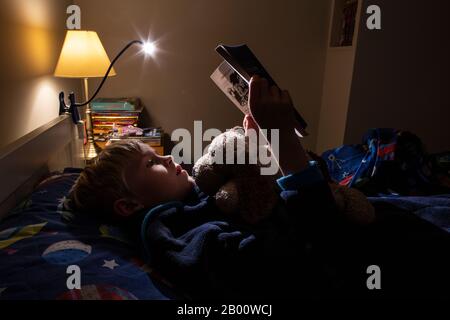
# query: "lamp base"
91,150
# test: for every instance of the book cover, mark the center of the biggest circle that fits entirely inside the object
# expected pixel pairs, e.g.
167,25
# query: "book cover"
114,118
116,113
113,104
112,123
233,76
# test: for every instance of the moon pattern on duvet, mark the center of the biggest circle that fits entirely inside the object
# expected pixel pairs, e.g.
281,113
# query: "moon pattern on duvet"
66,252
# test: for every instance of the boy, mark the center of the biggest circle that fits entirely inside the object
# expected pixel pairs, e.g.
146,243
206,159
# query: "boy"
133,178
304,249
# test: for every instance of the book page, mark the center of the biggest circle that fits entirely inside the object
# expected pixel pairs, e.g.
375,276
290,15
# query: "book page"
245,65
232,85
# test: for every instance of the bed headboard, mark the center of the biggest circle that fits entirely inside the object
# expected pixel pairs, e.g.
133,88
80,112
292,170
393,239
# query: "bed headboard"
24,162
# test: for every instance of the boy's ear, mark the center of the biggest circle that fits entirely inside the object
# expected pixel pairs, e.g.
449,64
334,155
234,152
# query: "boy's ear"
126,207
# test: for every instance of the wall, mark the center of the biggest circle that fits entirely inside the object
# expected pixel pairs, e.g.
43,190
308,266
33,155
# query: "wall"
337,85
402,73
335,98
289,37
32,33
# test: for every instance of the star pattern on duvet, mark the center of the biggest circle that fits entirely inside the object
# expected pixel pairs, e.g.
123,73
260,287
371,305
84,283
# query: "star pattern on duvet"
111,264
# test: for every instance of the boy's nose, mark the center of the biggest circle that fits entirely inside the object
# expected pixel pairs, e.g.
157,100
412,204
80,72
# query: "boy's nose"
168,160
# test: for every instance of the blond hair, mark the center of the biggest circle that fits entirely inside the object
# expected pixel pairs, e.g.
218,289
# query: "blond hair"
103,182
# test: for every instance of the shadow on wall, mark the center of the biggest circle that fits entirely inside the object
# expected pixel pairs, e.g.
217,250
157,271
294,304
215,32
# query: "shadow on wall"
32,34
401,76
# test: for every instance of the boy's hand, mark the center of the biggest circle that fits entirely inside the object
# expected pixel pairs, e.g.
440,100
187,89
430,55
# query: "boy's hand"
249,123
272,108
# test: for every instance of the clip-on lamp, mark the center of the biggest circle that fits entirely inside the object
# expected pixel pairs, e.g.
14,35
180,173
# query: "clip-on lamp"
72,107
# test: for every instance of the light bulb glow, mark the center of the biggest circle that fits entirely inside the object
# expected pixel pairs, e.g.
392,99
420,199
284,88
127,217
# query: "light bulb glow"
149,48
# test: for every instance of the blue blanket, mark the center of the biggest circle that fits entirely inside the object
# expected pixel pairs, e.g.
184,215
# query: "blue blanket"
200,252
208,257
434,209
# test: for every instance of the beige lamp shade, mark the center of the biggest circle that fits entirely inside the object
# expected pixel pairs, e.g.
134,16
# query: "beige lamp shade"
82,56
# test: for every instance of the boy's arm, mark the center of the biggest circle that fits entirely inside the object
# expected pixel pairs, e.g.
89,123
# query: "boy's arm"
303,185
272,109
309,201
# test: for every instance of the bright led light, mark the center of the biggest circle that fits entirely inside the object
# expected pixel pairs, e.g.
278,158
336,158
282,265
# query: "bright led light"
149,48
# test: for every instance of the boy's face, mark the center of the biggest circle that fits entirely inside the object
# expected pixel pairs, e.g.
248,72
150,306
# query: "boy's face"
155,179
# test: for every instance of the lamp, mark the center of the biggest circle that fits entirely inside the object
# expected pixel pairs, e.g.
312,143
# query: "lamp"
83,56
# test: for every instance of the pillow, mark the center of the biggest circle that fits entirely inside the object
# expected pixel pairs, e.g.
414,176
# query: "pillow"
42,237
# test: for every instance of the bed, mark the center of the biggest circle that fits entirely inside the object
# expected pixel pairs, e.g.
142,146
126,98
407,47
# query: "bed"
40,237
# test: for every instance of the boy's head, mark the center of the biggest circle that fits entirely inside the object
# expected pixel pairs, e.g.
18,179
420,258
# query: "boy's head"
126,177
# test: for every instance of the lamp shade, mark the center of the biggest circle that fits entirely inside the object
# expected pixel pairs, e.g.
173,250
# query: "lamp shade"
82,56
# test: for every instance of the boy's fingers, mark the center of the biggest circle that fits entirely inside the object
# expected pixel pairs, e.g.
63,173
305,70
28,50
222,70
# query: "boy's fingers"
275,92
249,126
245,122
255,91
264,86
259,89
251,123
286,97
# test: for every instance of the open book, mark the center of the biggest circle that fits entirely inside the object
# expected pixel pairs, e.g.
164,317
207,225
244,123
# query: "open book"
233,76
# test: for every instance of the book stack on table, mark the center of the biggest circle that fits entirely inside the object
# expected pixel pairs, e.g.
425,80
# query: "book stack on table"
150,136
107,114
117,119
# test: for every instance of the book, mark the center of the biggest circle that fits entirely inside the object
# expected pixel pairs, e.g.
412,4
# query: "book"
116,114
234,73
113,104
155,139
110,113
102,131
150,142
112,123
102,117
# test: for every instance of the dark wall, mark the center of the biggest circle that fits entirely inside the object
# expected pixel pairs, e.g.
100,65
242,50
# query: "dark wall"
402,72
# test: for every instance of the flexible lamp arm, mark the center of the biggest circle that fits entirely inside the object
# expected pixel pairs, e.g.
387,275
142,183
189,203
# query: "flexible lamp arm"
108,71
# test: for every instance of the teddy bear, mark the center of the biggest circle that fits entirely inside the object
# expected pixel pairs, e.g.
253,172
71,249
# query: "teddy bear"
240,190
